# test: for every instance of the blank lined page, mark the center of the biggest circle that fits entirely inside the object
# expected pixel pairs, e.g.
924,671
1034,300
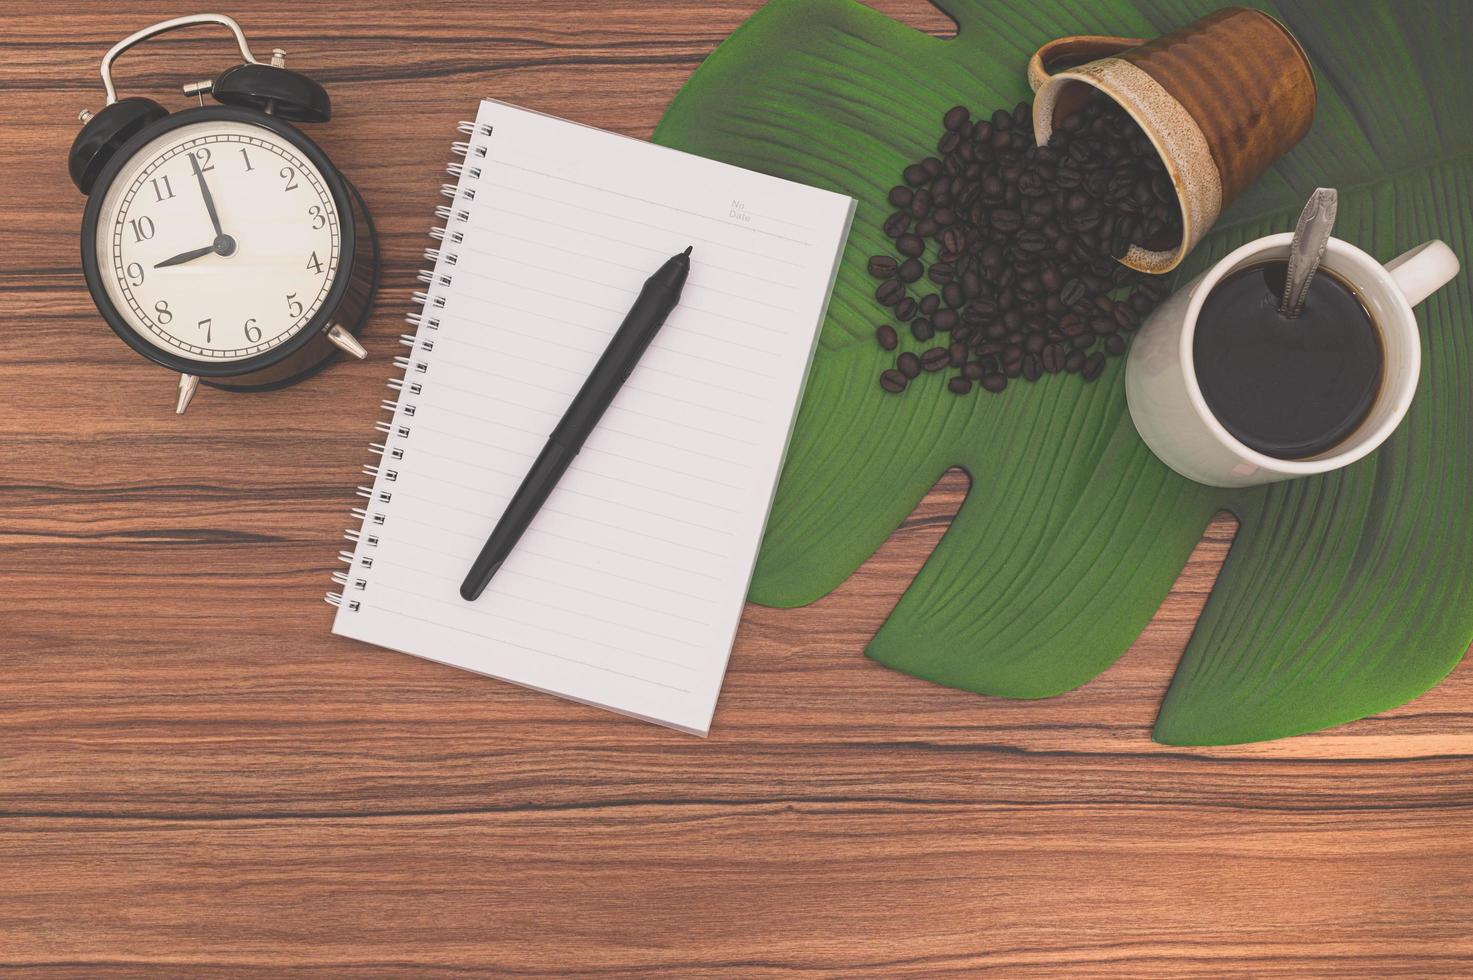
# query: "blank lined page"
627,589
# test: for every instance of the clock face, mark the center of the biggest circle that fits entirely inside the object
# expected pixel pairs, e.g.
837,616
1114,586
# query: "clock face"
218,241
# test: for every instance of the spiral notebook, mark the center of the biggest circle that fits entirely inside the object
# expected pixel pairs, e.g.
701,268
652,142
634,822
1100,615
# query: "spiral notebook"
627,589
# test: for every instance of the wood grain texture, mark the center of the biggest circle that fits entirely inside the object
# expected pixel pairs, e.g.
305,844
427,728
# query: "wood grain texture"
196,777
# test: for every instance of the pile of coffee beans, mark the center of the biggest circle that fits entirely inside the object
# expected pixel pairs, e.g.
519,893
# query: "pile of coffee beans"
1019,244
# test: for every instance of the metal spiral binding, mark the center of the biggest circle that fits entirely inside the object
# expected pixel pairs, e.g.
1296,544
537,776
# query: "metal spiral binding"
415,365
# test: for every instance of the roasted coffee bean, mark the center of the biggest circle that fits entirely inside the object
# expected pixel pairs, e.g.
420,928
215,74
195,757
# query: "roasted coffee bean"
935,359
1125,317
1053,358
994,382
890,292
1032,367
946,319
915,175
929,304
953,242
922,329
1073,361
893,381
882,266
905,309
886,337
896,224
920,203
911,246
1115,345
1031,242
927,227
1093,365
1072,292
959,386
941,273
957,118
1006,220
908,271
900,196
958,353
952,294
973,371
908,364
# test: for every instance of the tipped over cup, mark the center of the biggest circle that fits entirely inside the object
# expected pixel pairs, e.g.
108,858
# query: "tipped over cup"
1220,100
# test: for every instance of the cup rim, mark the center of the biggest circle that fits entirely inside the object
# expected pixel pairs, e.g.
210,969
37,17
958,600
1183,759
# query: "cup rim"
1368,442
1158,262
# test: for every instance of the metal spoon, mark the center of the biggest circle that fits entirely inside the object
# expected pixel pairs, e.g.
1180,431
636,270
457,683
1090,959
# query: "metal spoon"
1311,236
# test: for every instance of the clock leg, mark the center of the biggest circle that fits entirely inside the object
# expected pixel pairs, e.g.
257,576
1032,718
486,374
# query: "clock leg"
188,385
346,342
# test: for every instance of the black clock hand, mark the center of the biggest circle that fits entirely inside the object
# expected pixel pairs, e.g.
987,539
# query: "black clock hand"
204,190
189,256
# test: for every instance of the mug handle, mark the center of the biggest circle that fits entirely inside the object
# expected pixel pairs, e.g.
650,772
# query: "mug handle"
1079,49
1424,270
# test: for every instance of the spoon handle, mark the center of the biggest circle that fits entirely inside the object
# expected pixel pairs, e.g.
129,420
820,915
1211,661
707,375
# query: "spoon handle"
1311,236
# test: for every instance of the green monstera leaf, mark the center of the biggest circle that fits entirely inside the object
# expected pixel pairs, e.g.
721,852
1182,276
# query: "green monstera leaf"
1342,596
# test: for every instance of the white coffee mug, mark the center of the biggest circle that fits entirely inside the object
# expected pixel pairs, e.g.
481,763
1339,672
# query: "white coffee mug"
1166,401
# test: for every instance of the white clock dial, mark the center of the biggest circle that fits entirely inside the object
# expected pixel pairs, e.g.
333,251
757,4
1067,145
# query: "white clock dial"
233,285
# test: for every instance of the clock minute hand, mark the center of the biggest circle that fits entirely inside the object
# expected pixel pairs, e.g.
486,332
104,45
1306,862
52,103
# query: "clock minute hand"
189,256
204,189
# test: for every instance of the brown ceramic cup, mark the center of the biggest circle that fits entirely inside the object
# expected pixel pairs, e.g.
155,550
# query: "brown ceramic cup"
1220,99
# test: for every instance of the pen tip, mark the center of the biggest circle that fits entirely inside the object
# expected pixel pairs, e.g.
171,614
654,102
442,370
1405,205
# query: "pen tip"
688,249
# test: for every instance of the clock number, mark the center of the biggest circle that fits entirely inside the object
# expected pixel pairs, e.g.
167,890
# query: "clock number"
202,159
293,305
135,274
252,332
289,175
161,189
247,158
205,325
315,264
142,228
318,218
161,309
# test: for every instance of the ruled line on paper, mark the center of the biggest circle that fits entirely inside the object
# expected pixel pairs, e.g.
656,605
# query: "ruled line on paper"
520,474
465,559
581,613
563,297
460,533
663,516
571,516
695,237
470,608
725,223
643,366
695,282
586,449
494,207
619,409
546,653
632,435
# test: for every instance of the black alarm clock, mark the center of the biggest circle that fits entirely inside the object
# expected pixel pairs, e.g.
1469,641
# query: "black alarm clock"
219,241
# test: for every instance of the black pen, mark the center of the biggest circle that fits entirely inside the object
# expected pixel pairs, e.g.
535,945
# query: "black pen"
659,296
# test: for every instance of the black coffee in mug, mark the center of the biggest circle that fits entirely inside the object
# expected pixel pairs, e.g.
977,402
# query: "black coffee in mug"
1287,388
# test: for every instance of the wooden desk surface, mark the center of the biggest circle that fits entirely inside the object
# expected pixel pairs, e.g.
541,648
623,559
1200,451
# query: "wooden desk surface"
195,774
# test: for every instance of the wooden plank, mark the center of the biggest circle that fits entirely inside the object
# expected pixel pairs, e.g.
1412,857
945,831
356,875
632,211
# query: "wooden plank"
196,775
